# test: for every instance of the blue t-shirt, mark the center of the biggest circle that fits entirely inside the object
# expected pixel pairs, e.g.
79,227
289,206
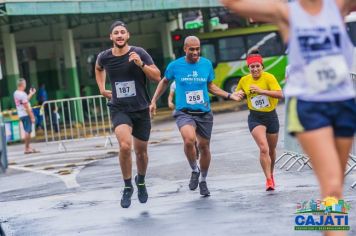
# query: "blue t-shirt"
192,81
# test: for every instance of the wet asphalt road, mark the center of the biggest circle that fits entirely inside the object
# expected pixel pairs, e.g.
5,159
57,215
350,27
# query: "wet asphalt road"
36,200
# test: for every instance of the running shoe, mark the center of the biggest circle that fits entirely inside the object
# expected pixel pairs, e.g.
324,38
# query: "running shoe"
141,191
194,180
204,189
126,197
269,185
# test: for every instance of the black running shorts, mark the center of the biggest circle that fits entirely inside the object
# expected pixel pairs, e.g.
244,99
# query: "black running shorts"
140,121
267,119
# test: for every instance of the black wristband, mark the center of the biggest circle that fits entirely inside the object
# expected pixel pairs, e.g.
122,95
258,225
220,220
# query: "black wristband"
143,65
228,95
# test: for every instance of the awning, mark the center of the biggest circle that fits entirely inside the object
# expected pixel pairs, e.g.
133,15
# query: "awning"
46,7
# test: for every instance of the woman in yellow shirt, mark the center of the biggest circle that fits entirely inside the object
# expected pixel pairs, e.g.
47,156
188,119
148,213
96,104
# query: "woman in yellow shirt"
262,92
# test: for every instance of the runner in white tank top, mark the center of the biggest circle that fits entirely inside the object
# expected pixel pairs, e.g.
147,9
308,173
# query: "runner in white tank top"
318,84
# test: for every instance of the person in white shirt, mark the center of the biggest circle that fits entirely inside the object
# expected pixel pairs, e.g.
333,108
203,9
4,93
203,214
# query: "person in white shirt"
172,89
24,111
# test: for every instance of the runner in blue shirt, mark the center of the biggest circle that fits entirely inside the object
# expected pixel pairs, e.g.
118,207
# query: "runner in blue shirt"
193,76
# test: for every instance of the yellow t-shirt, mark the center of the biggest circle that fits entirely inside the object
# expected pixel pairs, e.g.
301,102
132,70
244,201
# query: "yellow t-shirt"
256,101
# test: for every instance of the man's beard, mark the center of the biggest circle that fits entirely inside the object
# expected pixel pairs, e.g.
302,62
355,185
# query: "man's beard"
120,46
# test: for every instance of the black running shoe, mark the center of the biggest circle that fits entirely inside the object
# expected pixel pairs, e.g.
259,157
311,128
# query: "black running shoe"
194,180
204,189
141,191
126,197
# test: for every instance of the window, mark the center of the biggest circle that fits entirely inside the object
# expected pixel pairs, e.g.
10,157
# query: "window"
268,44
208,51
232,49
351,29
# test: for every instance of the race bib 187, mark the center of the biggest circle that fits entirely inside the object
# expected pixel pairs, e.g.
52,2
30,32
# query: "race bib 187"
125,89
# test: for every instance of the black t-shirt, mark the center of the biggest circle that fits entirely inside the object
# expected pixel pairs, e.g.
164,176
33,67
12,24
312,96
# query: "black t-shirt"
128,81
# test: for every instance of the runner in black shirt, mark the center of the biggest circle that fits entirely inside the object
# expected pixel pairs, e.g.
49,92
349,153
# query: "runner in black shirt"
128,68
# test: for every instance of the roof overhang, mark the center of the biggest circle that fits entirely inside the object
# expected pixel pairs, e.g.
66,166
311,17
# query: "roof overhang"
46,7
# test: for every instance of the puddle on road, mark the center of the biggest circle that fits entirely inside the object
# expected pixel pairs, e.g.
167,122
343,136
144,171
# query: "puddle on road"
112,153
159,141
29,165
166,194
64,172
70,165
63,205
145,214
48,168
154,142
304,186
162,130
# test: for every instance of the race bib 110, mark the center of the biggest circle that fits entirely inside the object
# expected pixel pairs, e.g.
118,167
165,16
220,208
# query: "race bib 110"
325,73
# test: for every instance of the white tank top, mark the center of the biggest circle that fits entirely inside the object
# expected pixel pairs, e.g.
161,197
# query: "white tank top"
320,55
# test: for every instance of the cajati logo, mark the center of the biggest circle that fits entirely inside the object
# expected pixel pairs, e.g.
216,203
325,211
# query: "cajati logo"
327,214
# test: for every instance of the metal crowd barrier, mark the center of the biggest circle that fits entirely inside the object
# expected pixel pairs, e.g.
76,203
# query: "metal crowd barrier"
75,119
293,151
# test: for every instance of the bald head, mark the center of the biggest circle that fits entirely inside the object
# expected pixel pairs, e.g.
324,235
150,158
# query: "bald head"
191,40
192,49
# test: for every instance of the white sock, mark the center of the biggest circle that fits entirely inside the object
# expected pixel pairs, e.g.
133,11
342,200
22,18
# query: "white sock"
203,176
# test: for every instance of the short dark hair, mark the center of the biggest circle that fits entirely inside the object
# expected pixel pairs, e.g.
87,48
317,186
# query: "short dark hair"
117,23
254,51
